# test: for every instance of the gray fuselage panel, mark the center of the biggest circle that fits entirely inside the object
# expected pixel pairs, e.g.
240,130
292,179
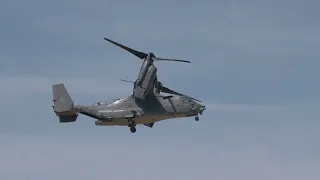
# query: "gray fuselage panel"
131,107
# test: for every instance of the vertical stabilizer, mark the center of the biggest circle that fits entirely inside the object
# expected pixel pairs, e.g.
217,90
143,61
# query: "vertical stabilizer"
63,104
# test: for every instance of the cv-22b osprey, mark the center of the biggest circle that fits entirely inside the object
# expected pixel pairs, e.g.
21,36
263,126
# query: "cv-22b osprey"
144,106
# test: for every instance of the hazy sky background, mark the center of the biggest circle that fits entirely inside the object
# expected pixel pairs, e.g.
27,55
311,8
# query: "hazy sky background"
255,64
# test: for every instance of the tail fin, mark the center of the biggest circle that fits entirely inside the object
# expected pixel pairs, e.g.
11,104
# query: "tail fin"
63,104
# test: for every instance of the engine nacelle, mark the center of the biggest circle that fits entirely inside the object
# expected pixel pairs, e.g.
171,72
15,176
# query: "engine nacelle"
143,71
147,83
146,86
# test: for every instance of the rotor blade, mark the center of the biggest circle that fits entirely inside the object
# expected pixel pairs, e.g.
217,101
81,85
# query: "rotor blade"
139,54
169,91
126,80
178,60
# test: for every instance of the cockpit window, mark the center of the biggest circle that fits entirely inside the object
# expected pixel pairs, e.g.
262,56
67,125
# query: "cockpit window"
185,99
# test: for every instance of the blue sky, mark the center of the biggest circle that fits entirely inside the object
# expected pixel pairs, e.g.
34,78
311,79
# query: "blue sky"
254,64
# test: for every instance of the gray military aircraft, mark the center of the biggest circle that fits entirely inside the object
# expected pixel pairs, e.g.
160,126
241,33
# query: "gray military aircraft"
144,106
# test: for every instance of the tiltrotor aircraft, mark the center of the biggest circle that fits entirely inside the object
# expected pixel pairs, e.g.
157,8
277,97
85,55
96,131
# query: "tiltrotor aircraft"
144,106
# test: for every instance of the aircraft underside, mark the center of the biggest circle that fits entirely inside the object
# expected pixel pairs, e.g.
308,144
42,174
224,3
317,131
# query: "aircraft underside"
138,120
142,120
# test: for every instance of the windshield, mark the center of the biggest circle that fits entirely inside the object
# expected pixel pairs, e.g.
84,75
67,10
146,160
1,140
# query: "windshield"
185,99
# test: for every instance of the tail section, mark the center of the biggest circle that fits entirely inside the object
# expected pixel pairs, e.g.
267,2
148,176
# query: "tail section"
63,104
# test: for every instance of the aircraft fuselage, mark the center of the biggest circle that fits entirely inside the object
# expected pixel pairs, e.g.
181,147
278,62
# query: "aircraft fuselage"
151,110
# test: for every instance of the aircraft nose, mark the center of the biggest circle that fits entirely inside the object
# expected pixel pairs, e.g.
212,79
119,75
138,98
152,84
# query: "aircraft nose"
199,107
